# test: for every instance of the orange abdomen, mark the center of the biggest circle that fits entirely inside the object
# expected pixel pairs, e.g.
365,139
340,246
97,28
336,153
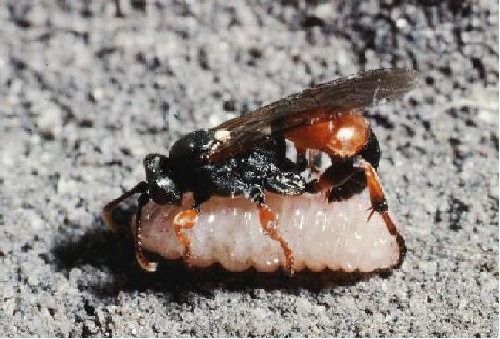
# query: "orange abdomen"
342,136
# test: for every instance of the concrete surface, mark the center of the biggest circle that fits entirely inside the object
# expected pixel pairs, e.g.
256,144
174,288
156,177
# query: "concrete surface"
86,93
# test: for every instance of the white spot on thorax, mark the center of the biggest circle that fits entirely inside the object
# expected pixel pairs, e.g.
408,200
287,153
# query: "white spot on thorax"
222,135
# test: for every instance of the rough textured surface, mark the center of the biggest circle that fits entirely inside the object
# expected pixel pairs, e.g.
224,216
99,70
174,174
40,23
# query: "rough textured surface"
86,93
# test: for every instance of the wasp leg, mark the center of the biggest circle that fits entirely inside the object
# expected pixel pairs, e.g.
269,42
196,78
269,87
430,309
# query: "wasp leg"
139,254
182,221
379,204
332,180
377,195
312,160
269,223
106,211
308,158
187,220
301,159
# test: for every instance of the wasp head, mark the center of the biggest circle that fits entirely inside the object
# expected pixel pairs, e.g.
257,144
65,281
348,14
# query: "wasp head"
162,185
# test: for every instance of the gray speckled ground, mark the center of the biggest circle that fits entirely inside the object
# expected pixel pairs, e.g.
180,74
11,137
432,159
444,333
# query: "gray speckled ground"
85,94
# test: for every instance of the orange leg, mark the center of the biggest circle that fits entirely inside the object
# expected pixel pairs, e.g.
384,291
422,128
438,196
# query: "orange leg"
379,204
377,195
185,220
139,254
269,223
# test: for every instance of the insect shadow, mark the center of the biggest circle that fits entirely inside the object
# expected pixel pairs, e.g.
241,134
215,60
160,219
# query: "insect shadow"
103,250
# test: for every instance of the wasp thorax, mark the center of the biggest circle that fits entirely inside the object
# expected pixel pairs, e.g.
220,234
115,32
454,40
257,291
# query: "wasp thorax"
192,145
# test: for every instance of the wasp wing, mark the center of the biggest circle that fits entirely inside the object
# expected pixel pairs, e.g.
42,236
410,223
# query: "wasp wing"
340,95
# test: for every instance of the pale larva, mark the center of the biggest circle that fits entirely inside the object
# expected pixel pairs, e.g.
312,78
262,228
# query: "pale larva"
321,235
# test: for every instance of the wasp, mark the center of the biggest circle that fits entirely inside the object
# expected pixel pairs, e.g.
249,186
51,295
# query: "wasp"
246,156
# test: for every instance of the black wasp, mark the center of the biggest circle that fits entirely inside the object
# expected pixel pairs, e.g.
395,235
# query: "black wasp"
246,156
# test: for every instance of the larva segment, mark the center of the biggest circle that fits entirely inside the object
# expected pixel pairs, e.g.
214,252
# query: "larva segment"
379,204
321,235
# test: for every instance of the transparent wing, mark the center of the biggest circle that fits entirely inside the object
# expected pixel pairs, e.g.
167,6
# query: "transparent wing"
315,104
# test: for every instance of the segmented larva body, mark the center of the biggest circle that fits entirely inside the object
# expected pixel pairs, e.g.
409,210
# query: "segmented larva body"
321,235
